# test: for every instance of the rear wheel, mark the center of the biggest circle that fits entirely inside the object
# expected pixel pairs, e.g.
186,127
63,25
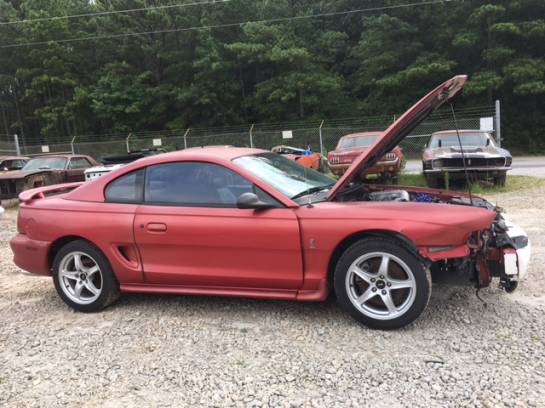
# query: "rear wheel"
381,284
83,277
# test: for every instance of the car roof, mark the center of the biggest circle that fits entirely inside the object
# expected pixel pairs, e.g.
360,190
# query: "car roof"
378,132
64,156
195,153
453,131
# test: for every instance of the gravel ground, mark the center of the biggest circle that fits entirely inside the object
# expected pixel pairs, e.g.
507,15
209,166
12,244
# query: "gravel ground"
195,351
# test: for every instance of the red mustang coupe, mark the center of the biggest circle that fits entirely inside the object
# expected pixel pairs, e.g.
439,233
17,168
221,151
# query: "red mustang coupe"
248,222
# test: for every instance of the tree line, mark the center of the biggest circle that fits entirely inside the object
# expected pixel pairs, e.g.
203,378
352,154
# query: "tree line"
92,75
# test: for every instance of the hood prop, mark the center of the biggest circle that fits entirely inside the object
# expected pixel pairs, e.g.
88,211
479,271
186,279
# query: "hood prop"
463,155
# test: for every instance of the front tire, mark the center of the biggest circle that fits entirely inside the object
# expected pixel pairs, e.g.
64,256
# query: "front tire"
499,180
382,284
84,278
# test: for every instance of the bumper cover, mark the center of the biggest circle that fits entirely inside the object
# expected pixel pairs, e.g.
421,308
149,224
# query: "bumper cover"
516,264
30,255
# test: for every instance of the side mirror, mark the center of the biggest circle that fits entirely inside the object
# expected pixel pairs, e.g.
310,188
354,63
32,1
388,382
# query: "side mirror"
439,143
488,142
251,201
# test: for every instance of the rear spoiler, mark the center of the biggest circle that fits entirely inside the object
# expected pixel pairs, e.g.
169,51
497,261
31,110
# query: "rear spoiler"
41,192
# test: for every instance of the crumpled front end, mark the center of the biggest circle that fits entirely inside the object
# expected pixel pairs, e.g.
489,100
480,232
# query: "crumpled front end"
501,251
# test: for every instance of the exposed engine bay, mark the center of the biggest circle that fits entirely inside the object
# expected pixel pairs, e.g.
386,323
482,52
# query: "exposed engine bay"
501,251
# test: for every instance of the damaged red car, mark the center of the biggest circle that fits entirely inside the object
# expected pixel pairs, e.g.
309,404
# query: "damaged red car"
249,222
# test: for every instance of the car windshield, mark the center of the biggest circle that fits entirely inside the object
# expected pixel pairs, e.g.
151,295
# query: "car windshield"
56,163
357,141
451,139
286,176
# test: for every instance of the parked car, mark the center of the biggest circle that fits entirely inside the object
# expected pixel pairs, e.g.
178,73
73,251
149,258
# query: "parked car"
305,157
44,171
353,145
248,222
110,163
483,158
9,163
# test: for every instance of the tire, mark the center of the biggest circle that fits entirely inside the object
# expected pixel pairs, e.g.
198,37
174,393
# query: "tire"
433,181
404,284
499,180
80,267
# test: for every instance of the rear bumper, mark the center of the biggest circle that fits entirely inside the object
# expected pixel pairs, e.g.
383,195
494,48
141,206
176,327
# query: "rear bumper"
30,255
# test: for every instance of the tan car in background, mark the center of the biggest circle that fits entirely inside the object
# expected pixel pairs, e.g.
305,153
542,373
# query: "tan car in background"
483,158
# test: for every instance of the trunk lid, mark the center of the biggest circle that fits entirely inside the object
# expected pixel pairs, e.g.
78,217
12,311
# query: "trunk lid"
398,130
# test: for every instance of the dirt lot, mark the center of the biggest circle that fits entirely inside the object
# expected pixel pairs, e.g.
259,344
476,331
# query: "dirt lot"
188,351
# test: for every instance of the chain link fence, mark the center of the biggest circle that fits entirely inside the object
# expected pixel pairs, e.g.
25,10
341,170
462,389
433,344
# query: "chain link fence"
317,135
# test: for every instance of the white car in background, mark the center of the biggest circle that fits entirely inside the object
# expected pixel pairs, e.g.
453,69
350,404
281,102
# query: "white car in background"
1,211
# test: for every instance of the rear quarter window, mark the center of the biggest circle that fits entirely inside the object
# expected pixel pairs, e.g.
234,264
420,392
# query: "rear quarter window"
128,188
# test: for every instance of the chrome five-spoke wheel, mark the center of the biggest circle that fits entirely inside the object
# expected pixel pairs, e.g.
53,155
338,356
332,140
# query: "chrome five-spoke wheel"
80,278
380,285
382,282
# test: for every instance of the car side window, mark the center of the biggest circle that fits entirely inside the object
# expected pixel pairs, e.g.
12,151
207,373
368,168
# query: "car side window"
194,184
128,188
79,163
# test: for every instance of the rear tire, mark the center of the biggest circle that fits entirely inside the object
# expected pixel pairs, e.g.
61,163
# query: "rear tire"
381,284
84,278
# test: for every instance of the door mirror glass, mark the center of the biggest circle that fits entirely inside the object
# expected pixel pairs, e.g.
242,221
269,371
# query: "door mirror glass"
252,201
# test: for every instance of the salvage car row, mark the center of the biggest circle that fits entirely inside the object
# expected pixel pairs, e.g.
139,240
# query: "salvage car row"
458,154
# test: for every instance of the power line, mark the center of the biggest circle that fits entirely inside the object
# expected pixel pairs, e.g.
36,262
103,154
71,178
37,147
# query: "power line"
272,20
106,13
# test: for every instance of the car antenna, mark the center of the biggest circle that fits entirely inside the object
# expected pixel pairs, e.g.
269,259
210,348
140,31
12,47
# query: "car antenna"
463,154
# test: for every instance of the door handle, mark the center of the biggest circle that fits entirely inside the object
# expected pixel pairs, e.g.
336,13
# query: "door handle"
156,227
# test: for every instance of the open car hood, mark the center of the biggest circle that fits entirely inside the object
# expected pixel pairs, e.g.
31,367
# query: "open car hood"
398,130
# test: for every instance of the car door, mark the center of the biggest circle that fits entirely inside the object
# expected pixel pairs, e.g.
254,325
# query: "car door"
189,231
76,168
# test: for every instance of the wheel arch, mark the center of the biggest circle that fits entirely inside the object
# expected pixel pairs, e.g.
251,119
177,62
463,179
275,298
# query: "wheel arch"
61,242
394,236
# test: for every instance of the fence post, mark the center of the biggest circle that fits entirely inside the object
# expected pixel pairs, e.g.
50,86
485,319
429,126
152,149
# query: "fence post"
185,137
72,145
321,140
127,141
498,123
252,135
17,147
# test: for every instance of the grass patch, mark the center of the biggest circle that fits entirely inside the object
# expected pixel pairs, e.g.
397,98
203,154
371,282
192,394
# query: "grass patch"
513,183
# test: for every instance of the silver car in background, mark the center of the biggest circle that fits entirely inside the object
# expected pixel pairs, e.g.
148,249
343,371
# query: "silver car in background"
484,160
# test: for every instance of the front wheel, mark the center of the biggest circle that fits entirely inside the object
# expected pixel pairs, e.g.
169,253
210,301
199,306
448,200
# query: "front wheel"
83,277
499,180
434,181
382,284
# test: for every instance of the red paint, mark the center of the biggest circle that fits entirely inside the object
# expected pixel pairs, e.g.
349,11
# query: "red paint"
282,253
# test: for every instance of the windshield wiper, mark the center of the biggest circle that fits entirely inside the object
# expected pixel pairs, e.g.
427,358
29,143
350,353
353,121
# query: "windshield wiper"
311,191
